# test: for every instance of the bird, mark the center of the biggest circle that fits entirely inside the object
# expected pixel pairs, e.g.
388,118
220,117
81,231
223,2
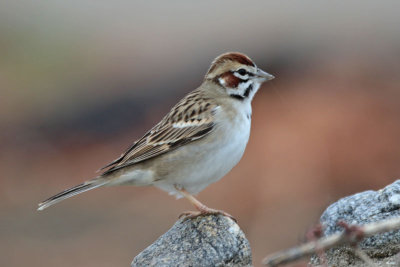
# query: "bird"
197,143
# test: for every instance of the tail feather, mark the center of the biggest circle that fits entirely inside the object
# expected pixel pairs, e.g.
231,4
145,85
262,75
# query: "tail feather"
71,192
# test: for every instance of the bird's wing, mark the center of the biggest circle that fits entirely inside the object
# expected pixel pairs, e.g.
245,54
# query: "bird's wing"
191,119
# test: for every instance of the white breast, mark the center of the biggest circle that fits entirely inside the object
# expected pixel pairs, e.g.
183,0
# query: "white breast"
206,162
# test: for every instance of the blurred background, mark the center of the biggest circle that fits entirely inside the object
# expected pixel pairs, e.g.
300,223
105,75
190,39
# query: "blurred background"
81,80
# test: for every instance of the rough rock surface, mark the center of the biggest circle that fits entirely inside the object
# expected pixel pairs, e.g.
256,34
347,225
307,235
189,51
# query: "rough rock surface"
212,240
362,208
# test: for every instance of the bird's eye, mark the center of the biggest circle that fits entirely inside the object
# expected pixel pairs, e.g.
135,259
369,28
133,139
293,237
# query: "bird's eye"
241,72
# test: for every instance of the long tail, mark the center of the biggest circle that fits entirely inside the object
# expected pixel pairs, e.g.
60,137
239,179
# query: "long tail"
86,186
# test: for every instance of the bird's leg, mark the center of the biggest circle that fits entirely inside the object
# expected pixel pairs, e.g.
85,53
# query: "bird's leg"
202,209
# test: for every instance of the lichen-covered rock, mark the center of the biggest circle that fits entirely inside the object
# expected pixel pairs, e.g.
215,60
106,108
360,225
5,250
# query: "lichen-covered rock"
212,240
363,208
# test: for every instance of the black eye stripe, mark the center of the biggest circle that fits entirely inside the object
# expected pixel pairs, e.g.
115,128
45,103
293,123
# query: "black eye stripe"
243,72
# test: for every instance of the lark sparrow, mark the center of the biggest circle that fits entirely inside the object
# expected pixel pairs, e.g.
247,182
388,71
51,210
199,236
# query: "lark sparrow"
199,141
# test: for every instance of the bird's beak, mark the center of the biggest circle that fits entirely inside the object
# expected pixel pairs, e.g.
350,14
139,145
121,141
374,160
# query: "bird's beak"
264,76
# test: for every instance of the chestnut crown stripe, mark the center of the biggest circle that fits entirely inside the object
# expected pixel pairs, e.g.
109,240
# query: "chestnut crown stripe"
238,57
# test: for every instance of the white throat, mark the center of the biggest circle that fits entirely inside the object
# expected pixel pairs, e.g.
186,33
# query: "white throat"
245,90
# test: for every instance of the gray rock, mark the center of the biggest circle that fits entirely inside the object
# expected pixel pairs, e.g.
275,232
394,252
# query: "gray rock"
366,207
212,240
363,208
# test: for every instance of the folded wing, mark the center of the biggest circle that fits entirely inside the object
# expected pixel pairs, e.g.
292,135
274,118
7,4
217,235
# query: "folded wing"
191,119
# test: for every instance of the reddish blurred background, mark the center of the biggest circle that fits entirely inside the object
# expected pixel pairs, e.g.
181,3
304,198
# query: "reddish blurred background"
81,80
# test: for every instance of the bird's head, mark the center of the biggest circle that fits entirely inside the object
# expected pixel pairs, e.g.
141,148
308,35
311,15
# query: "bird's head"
237,74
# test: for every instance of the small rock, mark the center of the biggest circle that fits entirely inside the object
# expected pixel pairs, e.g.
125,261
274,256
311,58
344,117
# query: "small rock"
212,240
363,208
366,207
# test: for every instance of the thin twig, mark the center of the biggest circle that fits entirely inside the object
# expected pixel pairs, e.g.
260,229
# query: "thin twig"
315,234
347,237
364,257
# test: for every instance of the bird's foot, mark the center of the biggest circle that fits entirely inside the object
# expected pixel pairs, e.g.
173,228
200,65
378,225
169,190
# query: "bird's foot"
205,212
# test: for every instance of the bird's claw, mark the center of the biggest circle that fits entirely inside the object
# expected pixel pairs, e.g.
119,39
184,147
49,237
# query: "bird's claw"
194,214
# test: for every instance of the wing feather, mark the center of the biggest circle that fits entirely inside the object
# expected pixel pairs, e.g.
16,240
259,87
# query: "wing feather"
191,119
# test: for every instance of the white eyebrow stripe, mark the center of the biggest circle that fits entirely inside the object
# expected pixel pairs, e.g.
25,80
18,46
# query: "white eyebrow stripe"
244,77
